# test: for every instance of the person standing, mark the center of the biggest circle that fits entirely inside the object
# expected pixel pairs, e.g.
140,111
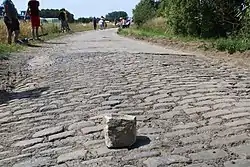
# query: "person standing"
34,13
64,20
94,23
11,21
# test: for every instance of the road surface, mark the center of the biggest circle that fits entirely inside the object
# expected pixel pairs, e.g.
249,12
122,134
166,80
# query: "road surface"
190,110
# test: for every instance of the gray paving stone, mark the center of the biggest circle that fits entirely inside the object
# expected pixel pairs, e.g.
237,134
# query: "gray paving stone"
238,163
136,156
236,115
200,165
59,110
150,130
14,158
197,110
24,111
49,131
61,135
186,126
4,114
243,150
80,125
37,146
229,140
30,115
98,160
47,108
56,150
238,122
178,133
93,129
195,138
27,143
169,115
75,155
187,148
111,103
165,160
208,155
34,162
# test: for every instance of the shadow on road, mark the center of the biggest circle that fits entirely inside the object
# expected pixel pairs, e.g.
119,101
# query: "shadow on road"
140,141
31,94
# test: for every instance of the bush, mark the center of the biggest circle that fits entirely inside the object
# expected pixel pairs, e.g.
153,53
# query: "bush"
144,11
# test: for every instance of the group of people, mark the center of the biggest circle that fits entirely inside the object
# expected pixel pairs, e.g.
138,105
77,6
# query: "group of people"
102,23
12,22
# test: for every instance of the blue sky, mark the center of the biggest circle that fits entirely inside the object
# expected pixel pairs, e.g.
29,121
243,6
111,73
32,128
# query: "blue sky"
84,8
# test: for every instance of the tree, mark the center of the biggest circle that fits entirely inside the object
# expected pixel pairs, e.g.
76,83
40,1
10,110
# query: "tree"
114,16
54,13
144,11
85,20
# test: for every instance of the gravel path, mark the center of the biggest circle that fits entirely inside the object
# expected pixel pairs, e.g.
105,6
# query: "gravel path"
191,111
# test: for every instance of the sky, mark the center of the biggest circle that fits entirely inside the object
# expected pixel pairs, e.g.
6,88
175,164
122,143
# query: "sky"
84,8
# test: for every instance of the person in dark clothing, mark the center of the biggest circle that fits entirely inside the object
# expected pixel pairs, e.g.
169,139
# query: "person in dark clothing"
95,23
34,13
11,20
64,20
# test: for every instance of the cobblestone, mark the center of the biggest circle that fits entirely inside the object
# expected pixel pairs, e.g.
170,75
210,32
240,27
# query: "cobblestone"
191,110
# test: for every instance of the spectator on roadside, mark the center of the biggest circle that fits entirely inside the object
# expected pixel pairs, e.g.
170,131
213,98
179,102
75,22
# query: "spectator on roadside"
34,13
11,21
101,23
94,23
64,20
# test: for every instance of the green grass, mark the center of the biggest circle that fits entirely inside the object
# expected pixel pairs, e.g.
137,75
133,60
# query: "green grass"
230,45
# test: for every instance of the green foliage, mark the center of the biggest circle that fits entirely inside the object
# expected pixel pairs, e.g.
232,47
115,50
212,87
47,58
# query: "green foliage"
144,11
85,20
115,16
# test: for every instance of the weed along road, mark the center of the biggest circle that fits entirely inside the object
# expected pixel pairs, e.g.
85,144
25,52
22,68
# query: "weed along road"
190,111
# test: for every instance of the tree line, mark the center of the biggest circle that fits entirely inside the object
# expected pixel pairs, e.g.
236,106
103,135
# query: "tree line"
53,13
202,18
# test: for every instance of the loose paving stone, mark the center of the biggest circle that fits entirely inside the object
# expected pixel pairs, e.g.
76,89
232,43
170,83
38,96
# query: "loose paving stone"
49,131
120,130
27,143
170,115
34,162
93,129
61,135
75,155
165,160
208,155
82,124
237,163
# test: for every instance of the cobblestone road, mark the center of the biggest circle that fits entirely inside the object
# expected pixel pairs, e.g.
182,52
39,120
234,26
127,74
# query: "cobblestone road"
191,111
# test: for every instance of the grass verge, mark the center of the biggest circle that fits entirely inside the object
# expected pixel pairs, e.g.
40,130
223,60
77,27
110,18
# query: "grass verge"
156,31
